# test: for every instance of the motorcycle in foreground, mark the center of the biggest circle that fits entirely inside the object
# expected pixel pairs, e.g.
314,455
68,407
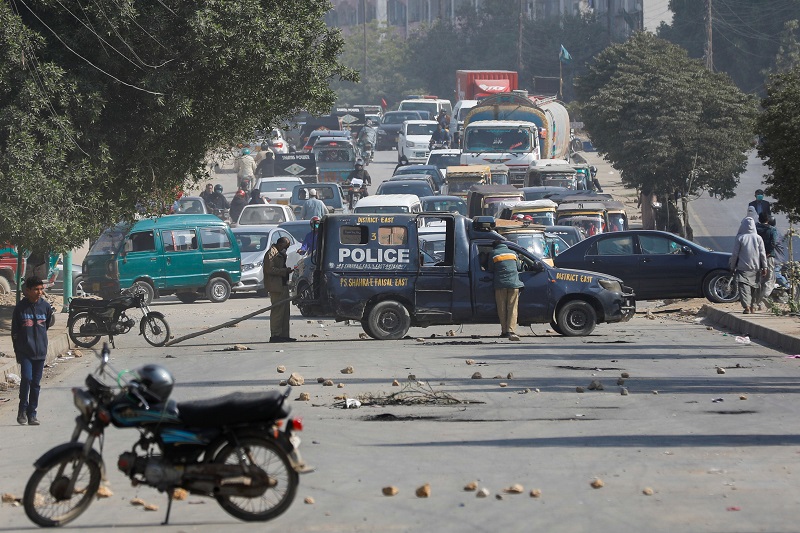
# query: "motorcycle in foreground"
90,318
229,448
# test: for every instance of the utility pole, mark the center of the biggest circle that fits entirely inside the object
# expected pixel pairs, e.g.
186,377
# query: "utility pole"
519,39
364,4
709,51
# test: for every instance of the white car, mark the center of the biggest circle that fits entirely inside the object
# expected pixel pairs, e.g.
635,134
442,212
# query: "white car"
443,158
414,140
254,241
278,190
278,141
261,214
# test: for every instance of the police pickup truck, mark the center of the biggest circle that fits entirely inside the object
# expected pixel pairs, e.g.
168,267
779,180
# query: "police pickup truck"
391,272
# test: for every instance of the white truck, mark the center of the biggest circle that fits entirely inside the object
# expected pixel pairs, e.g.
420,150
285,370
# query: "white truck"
515,130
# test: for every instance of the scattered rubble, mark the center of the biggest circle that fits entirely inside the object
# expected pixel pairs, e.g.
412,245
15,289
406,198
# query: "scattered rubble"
304,397
483,493
743,396
340,386
536,493
510,376
503,384
597,483
327,383
104,492
595,385
625,375
309,500
471,486
180,494
578,389
647,491
470,361
514,489
424,491
389,491
347,370
281,369
138,501
363,336
9,498
623,391
477,375
395,383
720,370
236,348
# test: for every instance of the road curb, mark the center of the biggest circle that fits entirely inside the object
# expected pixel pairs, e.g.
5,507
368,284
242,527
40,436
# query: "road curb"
57,344
783,341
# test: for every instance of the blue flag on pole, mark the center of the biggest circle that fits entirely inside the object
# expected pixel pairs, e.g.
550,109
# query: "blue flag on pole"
564,55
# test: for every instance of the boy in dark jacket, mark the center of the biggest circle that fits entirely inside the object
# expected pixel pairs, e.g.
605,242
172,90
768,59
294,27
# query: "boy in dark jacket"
32,317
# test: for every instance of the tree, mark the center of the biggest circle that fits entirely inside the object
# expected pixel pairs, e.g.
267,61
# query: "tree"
665,122
779,128
116,104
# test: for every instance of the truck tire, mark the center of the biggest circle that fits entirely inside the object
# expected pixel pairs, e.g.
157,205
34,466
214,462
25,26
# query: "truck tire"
388,320
5,285
576,318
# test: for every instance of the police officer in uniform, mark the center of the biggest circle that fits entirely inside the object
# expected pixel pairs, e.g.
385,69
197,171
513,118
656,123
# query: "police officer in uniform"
506,288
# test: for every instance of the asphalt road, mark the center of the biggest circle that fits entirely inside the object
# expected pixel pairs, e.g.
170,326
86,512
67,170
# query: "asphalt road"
712,466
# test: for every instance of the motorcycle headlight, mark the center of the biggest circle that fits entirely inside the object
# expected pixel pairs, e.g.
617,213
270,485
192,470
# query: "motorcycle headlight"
252,266
84,402
613,286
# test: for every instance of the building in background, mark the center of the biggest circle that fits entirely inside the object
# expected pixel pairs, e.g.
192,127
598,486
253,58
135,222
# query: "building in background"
623,16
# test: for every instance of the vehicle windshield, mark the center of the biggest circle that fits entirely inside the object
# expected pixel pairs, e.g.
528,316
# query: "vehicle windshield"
323,193
447,206
277,186
110,241
262,214
588,226
497,140
419,188
252,241
421,105
382,209
462,112
189,206
442,161
462,185
399,118
421,129
533,242
335,155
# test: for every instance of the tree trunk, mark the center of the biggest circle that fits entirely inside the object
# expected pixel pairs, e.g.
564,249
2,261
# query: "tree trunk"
688,232
648,213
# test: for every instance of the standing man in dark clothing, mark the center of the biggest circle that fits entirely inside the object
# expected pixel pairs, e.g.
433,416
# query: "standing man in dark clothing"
237,204
276,282
256,198
761,205
770,237
32,317
506,288
207,194
266,167
217,199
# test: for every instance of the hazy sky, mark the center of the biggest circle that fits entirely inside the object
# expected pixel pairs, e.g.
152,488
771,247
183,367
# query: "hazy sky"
656,11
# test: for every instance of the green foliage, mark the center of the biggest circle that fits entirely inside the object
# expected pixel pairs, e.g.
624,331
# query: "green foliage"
113,104
746,35
779,129
664,121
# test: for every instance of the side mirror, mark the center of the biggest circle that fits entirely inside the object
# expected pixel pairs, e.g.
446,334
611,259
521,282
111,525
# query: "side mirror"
687,250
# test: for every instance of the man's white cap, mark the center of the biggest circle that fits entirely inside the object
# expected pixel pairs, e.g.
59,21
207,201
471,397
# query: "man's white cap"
312,192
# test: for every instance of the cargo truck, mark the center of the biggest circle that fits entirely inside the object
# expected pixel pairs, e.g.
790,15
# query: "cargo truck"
477,84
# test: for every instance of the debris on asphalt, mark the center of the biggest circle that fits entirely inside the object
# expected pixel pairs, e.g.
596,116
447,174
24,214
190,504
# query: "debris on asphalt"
363,336
450,333
647,491
389,491
9,498
295,380
503,384
475,336
180,494
595,385
351,403
150,507
309,500
281,369
315,335
498,496
623,391
13,378
717,400
720,370
510,376
536,493
137,501
483,493
340,386
655,392
578,389
597,483
470,361
104,492
514,489
304,397
395,383
625,375
282,383
420,339
320,380
327,383
649,315
413,393
620,381
498,376
477,375
471,486
412,377
236,348
347,370
743,396
733,508
743,340
424,491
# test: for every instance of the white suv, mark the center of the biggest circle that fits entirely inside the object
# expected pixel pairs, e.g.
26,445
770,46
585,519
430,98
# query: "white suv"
414,141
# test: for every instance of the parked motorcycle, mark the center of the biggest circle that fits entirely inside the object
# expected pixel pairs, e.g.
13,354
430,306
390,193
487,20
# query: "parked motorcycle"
229,448
91,318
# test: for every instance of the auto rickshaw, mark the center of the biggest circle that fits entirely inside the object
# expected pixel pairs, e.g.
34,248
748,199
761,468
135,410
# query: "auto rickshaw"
482,200
461,178
589,217
540,211
499,173
557,174
611,213
529,236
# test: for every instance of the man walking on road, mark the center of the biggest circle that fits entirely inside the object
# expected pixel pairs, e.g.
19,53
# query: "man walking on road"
276,282
506,288
748,262
761,205
32,317
770,237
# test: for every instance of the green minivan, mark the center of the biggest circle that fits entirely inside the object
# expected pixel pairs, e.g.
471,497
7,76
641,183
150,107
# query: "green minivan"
189,255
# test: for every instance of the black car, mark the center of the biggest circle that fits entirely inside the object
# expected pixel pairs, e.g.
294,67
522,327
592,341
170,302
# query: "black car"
389,129
431,170
656,264
419,187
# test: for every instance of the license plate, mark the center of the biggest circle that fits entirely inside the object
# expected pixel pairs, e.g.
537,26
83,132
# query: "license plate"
419,154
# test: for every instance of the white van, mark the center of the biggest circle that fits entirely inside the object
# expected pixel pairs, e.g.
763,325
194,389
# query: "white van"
388,203
431,105
460,111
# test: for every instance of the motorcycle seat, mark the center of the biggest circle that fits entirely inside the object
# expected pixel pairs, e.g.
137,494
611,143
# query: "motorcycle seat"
87,302
234,408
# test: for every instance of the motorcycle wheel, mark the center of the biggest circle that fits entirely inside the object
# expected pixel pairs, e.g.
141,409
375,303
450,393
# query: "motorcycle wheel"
155,329
45,500
267,455
78,320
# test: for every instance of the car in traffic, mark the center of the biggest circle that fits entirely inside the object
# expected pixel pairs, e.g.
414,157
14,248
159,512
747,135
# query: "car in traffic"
444,157
314,136
389,128
259,214
656,264
444,204
278,190
418,188
421,177
431,170
413,142
190,205
388,204
254,241
331,195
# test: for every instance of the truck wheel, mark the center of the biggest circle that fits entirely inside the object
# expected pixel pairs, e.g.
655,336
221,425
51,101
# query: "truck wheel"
5,285
149,291
218,290
720,288
388,320
576,318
